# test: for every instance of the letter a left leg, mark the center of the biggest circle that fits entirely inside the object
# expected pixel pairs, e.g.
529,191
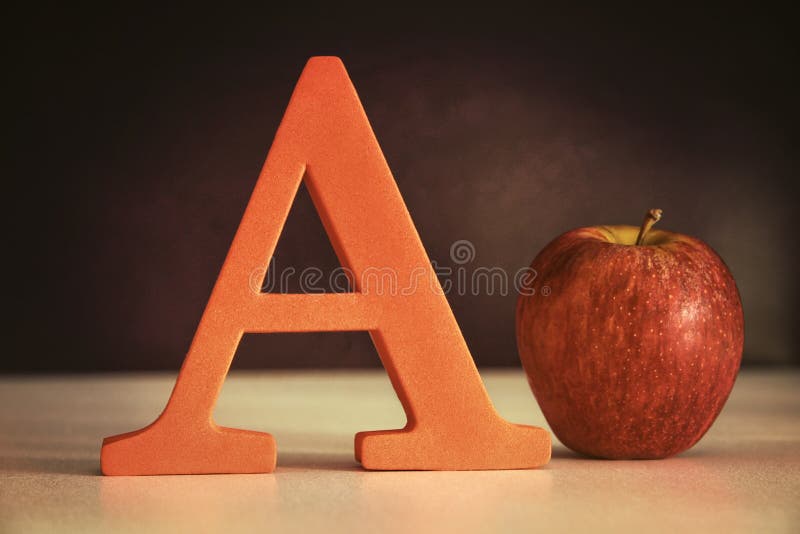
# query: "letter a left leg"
185,439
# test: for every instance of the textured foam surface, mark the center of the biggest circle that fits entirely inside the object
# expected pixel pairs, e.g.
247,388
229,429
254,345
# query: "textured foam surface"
325,138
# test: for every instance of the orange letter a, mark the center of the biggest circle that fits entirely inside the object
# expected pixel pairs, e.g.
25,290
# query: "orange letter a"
325,137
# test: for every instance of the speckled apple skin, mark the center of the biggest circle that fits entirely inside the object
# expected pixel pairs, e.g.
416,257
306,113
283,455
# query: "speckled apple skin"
631,351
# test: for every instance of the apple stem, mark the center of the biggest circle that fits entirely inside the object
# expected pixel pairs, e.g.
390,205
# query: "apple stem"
650,218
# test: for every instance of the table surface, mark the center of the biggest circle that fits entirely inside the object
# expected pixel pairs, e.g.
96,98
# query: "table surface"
743,476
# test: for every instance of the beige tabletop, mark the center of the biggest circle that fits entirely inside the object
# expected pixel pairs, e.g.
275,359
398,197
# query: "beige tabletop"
744,476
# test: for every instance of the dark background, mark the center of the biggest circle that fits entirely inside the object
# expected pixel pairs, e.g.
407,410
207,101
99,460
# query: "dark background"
137,137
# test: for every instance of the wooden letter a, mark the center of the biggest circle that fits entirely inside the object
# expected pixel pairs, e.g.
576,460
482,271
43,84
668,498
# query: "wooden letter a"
325,137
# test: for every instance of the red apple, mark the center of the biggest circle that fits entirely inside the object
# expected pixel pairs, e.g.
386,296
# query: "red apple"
631,339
